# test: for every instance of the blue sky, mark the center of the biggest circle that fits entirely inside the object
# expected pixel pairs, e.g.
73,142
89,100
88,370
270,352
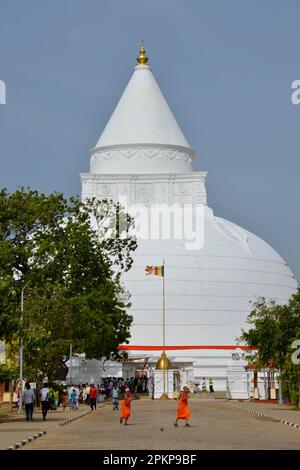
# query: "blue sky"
224,66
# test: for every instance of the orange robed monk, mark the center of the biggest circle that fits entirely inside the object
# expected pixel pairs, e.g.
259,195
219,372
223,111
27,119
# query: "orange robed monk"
183,411
125,406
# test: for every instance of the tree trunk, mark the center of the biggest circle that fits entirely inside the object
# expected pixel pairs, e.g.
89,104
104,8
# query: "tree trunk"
280,387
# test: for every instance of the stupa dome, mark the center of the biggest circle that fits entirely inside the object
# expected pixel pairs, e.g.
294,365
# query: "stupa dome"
209,290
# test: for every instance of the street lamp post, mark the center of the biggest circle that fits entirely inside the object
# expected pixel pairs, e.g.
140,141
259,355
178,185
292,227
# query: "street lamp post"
21,351
163,362
71,355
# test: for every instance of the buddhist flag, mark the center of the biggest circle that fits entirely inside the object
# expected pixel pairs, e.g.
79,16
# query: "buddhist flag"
156,270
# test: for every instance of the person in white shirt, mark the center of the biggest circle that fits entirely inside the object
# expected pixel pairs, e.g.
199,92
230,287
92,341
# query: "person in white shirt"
77,394
29,399
44,400
87,389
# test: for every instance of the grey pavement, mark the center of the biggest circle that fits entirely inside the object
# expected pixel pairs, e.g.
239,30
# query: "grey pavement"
273,410
16,428
214,425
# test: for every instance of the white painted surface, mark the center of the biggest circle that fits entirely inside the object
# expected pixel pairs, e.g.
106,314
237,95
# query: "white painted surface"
159,383
92,370
237,383
146,189
142,115
141,158
208,291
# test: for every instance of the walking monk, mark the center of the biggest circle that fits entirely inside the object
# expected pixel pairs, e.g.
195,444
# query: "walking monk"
125,406
183,411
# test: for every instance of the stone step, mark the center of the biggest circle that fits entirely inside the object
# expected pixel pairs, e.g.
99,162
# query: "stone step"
209,396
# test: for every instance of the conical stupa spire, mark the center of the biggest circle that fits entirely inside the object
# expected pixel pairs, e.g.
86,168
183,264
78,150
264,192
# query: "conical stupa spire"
142,115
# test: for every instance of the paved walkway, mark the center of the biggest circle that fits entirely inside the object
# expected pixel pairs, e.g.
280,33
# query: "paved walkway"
273,410
214,425
16,428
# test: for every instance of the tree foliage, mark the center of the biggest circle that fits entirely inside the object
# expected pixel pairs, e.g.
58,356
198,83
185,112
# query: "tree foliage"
71,274
274,328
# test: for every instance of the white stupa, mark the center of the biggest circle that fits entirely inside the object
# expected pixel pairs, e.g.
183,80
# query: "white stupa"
143,156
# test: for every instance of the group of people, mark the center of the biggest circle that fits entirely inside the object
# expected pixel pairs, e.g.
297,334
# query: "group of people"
89,394
72,396
114,389
29,399
51,399
203,387
183,411
105,390
134,384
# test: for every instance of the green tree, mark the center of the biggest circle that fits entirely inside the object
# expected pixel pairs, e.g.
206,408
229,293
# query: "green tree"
72,273
273,330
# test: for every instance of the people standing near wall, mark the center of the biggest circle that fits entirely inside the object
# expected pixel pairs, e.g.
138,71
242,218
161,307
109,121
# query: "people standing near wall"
98,393
115,397
77,393
55,399
84,394
87,389
183,411
211,386
28,400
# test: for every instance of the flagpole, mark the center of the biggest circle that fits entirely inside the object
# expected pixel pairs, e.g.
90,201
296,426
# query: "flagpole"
164,326
164,308
163,362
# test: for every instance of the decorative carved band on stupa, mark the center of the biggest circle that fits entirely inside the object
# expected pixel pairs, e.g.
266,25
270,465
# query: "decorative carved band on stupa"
188,188
140,152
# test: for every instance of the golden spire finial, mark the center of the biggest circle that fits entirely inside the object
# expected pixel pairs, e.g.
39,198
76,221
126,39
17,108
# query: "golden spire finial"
142,58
